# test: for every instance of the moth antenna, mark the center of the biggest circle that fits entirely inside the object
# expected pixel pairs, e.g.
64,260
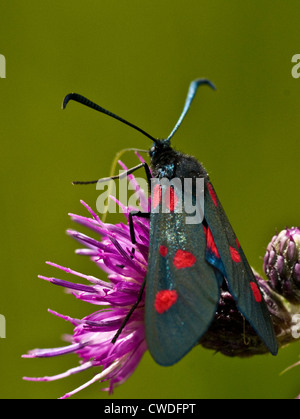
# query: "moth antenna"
84,101
190,96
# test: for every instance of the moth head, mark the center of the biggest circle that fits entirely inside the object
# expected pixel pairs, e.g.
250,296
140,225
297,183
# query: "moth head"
159,146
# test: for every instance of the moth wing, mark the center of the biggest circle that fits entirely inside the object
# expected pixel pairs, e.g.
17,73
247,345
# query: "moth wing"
182,290
241,281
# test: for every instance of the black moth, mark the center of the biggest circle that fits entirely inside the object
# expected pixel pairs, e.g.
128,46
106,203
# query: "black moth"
188,262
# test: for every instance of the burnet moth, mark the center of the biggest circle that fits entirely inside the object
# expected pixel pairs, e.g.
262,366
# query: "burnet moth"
188,262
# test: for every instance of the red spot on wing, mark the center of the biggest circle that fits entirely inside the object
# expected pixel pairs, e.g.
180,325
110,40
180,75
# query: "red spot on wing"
235,256
237,243
163,251
164,300
256,292
171,198
210,241
156,196
183,259
212,193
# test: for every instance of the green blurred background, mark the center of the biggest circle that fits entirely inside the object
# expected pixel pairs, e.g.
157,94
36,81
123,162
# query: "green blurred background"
137,59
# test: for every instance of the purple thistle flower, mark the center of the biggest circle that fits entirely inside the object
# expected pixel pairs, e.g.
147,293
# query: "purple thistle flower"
93,334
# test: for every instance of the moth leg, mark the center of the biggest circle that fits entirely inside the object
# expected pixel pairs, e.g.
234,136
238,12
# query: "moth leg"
133,213
130,312
133,240
120,176
131,229
131,226
105,179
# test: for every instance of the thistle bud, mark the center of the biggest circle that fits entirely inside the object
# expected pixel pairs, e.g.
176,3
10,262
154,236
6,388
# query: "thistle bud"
232,335
282,264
